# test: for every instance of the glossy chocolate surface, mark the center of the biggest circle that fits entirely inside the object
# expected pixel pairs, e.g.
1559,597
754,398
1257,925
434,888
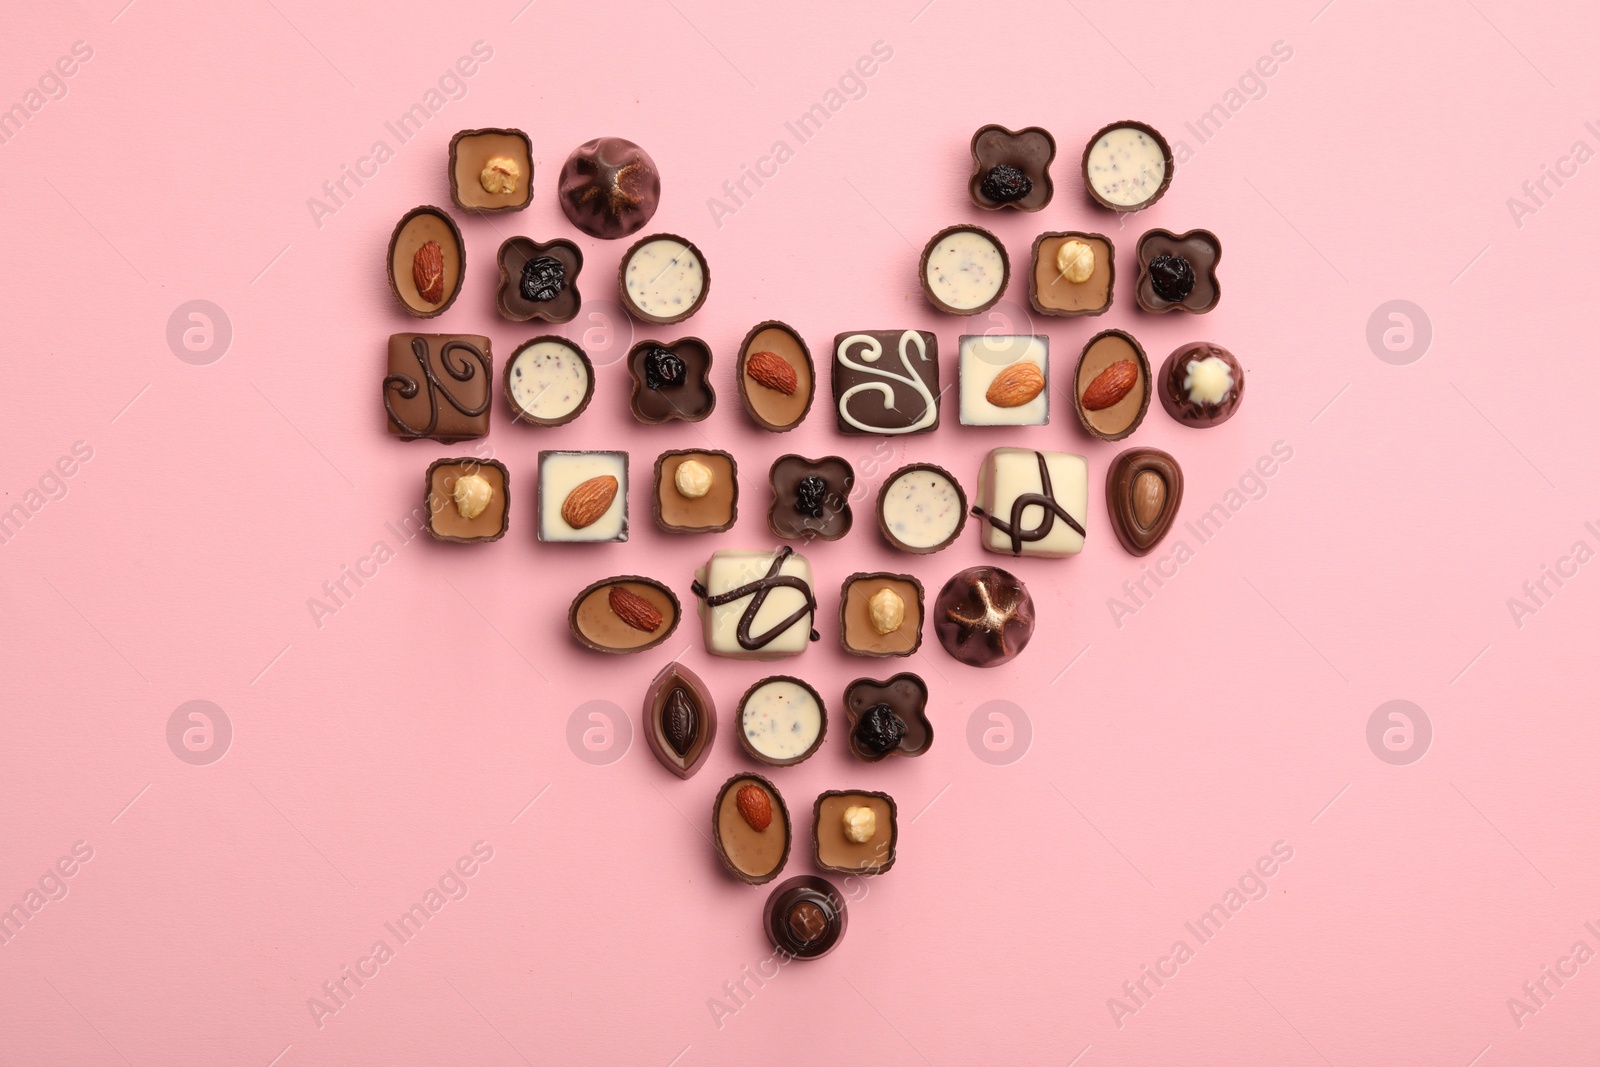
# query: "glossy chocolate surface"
1144,489
601,622
1202,251
803,509
438,386
1201,384
906,696
609,187
1029,150
886,382
984,616
689,400
515,253
680,719
805,917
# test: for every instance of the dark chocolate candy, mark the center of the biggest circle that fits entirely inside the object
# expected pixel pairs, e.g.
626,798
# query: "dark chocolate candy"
750,828
888,718
886,381
1201,384
811,498
438,386
984,616
425,259
1163,255
805,917
776,399
538,281
623,614
470,154
680,719
609,187
1027,152
1143,490
671,381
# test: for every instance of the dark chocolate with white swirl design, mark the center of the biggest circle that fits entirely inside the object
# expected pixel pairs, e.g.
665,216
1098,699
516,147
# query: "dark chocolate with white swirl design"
886,381
438,386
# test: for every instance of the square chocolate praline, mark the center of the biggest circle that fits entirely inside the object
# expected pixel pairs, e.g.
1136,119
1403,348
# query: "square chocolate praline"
562,472
859,636
445,521
903,362
438,386
713,512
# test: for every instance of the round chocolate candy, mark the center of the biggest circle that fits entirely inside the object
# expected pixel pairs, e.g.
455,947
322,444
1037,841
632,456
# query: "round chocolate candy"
609,187
805,917
1201,384
984,616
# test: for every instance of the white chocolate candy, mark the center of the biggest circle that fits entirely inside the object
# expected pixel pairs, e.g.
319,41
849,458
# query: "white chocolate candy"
983,358
780,626
562,472
921,508
1208,381
1126,166
781,719
664,278
548,380
1010,474
965,270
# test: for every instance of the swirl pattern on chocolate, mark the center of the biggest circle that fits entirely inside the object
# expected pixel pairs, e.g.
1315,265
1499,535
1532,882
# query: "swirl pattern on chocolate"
888,383
407,387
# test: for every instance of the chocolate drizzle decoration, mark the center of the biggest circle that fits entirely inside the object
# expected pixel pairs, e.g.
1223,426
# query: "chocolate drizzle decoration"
407,387
1045,499
758,591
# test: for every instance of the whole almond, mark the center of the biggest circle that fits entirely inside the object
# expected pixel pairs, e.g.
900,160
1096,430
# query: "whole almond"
1149,497
427,270
1016,385
634,609
755,806
1110,385
588,501
773,371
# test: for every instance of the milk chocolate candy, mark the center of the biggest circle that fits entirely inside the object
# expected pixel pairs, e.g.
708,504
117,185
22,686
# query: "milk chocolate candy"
671,381
777,379
1201,384
1011,168
609,187
538,281
468,500
886,382
854,831
1127,166
984,616
680,719
880,615
805,918
549,381
1143,490
1073,273
888,718
751,830
425,259
1033,503
811,498
697,491
491,170
623,614
1111,385
782,721
438,386
921,509
756,604
663,279
964,270
1178,272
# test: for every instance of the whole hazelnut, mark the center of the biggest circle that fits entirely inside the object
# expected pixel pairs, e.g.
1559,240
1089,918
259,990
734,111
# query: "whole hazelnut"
500,175
859,824
1075,261
887,610
472,494
693,479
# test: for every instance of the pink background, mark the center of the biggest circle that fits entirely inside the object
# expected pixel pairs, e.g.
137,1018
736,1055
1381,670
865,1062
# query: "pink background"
1168,753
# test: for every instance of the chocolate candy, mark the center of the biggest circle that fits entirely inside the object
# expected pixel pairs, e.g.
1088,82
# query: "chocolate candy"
538,281
1143,490
810,498
777,380
886,382
782,721
1111,386
854,831
756,604
424,262
468,500
1033,503
583,496
1201,384
491,170
964,270
549,381
805,917
1073,274
680,719
1005,380
438,386
1011,168
984,616
663,279
1178,272
888,718
671,381
1127,166
696,491
880,615
750,827
921,509
623,614
609,187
